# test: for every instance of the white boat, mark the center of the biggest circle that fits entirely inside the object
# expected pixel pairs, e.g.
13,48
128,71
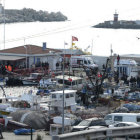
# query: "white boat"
44,82
126,66
56,100
72,82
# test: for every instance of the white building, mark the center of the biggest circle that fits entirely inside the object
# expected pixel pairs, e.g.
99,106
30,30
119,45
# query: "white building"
29,56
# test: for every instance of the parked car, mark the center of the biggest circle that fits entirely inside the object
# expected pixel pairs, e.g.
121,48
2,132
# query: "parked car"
85,124
126,124
123,124
96,127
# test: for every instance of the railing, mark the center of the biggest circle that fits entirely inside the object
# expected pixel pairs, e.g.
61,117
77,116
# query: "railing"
107,133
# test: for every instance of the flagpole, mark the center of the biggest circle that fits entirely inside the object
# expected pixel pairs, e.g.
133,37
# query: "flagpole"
91,46
71,55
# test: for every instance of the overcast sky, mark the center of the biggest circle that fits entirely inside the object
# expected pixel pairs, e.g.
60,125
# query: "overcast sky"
82,9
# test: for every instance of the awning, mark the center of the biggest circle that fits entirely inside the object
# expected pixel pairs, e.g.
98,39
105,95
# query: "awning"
11,58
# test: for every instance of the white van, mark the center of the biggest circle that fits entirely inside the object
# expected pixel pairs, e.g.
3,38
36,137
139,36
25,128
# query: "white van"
122,117
83,60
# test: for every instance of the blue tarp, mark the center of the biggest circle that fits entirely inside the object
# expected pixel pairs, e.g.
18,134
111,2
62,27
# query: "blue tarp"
132,107
43,91
23,131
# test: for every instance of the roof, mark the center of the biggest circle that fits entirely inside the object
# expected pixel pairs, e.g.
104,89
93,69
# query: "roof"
66,77
94,118
124,114
11,58
70,51
65,91
29,49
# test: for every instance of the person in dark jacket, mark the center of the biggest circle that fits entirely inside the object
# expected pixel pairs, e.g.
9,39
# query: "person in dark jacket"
118,60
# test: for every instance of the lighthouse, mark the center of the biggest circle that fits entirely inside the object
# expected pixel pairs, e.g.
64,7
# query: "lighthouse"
115,17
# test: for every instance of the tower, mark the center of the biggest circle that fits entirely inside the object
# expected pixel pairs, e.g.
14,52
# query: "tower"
115,17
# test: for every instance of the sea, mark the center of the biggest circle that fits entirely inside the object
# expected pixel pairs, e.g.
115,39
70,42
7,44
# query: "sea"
97,41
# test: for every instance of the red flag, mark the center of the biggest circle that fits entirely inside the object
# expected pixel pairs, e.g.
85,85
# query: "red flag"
99,75
74,38
70,79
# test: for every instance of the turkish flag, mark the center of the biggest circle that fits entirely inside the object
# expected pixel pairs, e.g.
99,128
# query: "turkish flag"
70,79
74,38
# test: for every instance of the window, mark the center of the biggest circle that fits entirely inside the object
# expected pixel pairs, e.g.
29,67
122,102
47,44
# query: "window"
53,96
95,122
67,95
71,95
89,62
108,117
84,123
118,118
121,125
85,62
138,118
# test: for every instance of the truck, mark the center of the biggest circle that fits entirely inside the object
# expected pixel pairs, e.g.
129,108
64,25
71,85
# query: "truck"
83,60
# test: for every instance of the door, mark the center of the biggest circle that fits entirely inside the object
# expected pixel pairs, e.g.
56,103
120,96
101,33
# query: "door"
118,119
108,119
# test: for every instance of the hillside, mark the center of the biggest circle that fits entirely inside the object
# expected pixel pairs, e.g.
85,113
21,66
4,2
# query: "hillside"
30,15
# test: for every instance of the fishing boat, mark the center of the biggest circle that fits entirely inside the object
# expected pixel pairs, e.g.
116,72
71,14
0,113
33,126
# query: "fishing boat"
33,79
45,82
72,82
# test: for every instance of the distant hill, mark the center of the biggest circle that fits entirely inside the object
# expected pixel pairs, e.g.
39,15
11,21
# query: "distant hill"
31,15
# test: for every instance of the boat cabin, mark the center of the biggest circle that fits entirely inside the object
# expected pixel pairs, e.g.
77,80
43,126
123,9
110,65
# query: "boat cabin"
73,82
126,66
56,100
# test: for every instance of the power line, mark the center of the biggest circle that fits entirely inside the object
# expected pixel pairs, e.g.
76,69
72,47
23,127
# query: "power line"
58,30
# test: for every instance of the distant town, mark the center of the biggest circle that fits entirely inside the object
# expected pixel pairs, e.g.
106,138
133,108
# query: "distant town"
117,24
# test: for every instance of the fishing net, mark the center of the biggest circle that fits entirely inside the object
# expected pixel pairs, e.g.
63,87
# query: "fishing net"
34,119
20,104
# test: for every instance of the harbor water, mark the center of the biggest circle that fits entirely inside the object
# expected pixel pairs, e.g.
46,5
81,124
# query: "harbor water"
122,41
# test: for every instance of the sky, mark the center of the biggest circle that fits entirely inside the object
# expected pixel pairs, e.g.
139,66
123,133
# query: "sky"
82,9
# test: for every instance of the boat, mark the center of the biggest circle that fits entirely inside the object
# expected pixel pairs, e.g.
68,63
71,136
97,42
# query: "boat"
72,82
56,100
33,79
45,82
128,67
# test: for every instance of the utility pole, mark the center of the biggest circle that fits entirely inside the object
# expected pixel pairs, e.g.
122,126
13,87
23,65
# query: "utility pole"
26,52
112,60
4,23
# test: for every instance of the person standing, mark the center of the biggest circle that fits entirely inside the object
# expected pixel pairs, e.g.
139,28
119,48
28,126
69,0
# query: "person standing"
118,60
